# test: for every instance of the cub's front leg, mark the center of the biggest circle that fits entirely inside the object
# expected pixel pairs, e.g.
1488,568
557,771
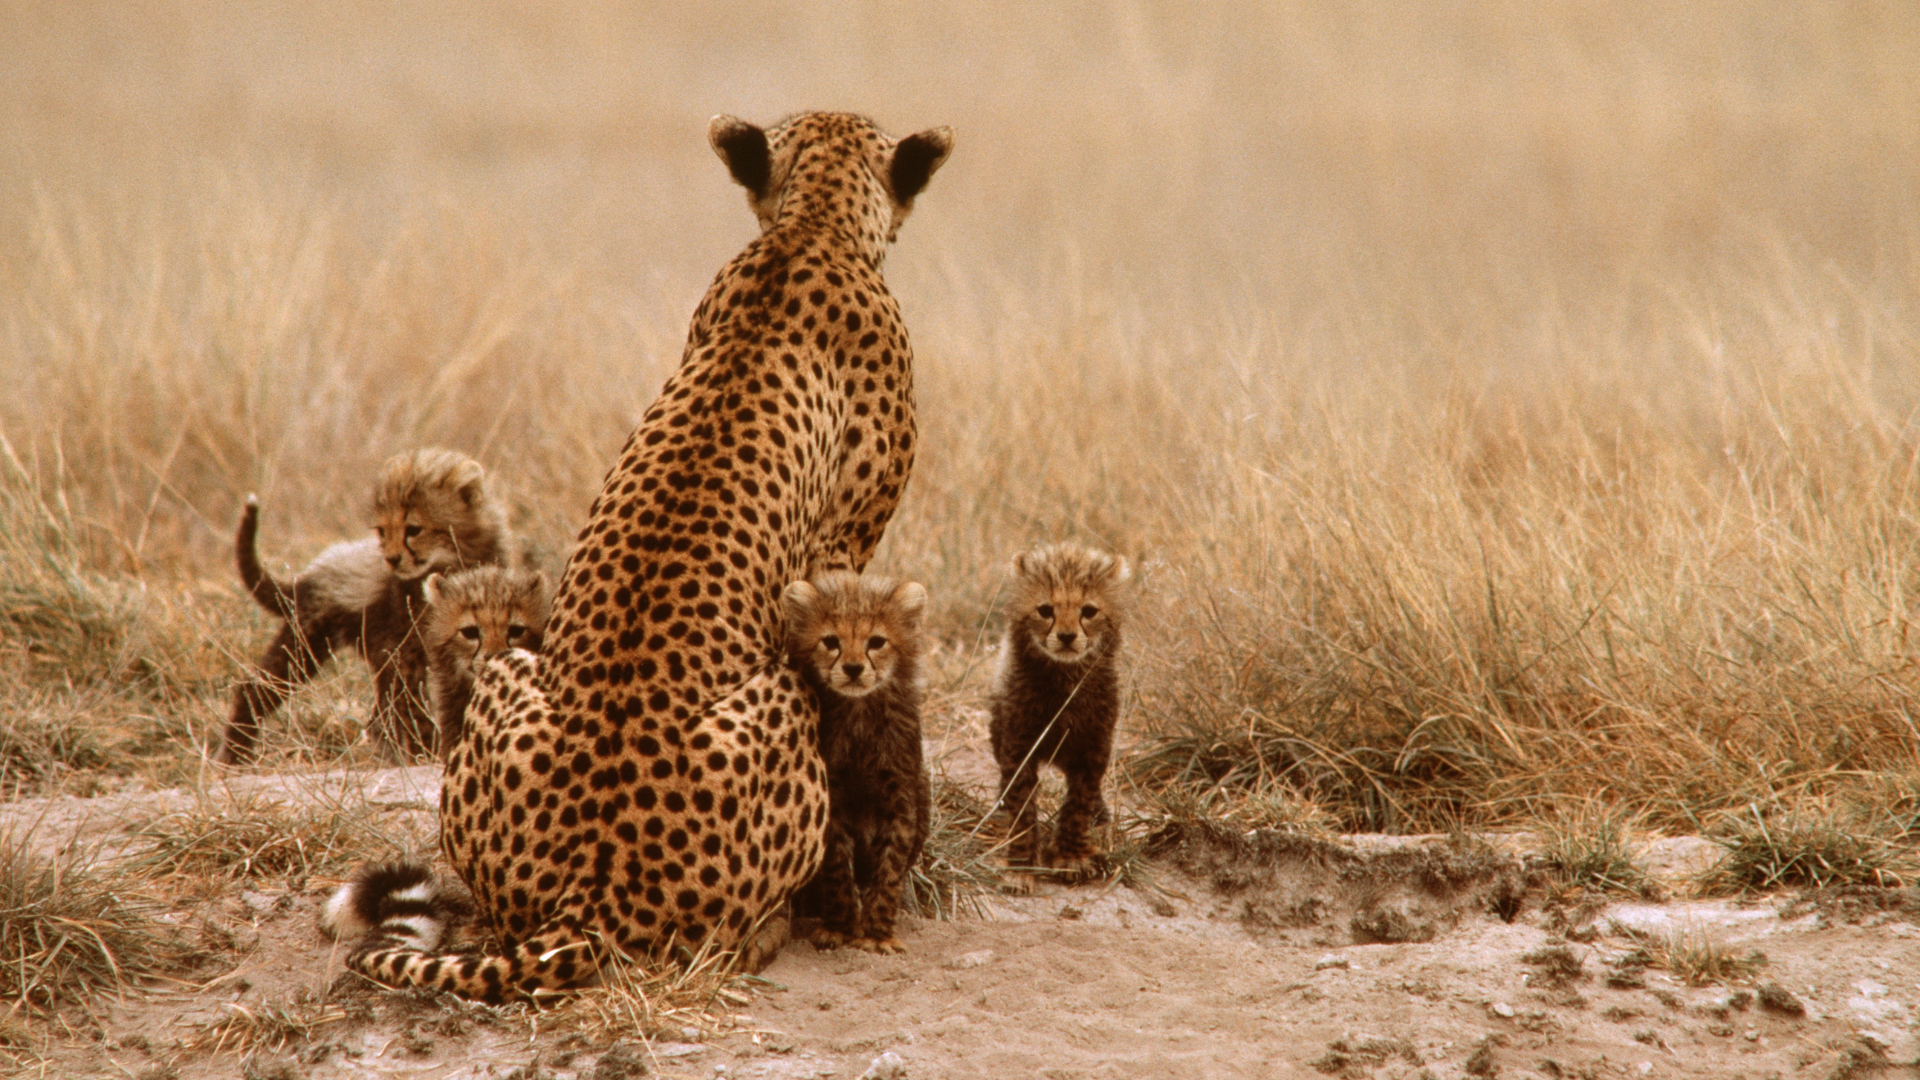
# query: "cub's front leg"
839,895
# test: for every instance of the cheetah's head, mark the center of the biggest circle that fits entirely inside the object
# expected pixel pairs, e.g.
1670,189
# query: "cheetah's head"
838,163
1067,601
489,608
432,512
853,635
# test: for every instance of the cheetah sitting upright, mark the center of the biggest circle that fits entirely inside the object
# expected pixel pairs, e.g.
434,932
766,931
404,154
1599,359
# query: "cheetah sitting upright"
432,511
651,779
857,642
1057,698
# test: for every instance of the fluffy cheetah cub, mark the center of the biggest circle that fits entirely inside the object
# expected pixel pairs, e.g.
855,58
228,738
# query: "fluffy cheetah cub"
431,512
1057,697
856,640
470,616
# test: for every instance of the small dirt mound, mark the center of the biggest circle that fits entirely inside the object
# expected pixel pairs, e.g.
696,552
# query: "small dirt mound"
1285,880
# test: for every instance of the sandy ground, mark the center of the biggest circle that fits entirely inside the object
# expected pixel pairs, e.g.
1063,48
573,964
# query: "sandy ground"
1268,957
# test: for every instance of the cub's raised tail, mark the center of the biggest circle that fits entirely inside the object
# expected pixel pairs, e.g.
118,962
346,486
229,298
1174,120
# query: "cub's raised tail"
268,591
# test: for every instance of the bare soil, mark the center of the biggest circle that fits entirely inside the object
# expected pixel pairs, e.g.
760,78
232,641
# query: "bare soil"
1259,956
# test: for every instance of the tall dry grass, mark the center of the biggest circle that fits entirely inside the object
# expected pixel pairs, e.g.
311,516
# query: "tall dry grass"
1510,401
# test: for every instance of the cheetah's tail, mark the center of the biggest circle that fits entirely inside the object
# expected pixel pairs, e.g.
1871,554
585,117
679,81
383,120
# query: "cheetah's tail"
525,970
269,592
397,919
388,905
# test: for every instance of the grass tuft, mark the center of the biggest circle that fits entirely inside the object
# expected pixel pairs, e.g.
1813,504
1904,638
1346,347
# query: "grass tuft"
1359,1055
1588,849
1807,847
961,860
70,931
697,990
1558,964
49,736
64,619
1166,789
1690,954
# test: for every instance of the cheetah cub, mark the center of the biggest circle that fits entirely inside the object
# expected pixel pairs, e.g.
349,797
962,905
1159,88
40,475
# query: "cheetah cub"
857,641
1056,699
431,512
470,616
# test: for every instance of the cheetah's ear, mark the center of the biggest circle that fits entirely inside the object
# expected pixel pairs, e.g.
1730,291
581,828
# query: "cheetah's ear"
915,159
910,599
1122,570
1020,561
744,148
435,588
469,478
799,598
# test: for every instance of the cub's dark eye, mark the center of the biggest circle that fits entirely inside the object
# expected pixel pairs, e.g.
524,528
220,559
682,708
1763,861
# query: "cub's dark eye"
876,643
413,531
830,642
1089,611
1045,611
471,633
515,632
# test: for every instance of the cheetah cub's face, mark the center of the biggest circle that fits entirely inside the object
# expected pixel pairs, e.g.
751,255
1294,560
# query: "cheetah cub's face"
484,612
433,513
853,634
1068,601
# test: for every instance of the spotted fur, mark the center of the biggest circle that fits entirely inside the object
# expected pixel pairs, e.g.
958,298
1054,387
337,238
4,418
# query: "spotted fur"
652,779
1057,698
857,642
432,511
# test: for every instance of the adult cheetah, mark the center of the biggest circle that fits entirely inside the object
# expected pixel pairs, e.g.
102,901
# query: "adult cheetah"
652,779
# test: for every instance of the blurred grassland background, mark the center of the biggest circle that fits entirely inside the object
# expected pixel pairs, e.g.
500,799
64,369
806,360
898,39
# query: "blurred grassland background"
1509,403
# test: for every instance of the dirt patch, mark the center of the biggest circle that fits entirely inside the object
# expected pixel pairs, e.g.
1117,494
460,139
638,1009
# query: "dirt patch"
1854,905
1257,955
1403,893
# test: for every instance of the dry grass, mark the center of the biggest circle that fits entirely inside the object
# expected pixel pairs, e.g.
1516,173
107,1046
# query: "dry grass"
700,991
71,931
963,858
268,1027
261,837
1809,847
1505,398
1693,955
1590,849
697,995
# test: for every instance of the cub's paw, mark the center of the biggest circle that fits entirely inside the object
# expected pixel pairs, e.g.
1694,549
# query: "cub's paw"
886,946
827,940
1075,867
1020,882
